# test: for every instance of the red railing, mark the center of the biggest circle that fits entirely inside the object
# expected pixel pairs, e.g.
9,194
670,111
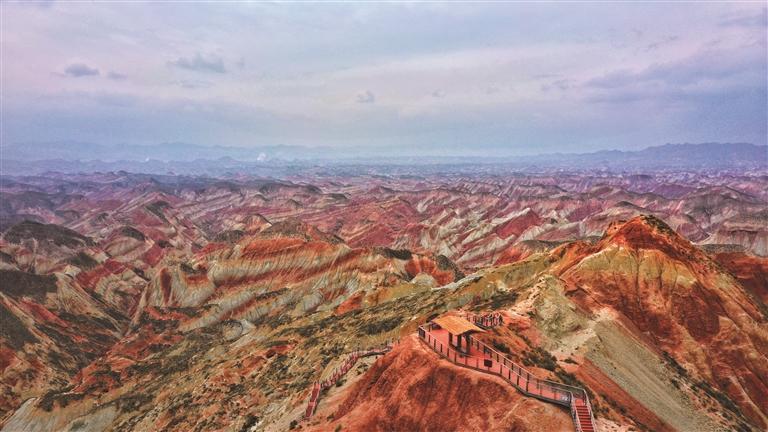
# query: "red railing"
493,319
582,417
514,374
339,372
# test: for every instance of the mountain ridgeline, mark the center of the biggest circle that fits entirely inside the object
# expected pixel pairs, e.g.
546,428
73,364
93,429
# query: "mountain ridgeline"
281,160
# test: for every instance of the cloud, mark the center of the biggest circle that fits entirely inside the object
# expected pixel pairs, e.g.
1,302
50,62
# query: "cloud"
613,79
116,76
198,63
665,41
366,98
561,84
193,84
680,93
42,4
78,70
113,99
607,74
711,65
757,20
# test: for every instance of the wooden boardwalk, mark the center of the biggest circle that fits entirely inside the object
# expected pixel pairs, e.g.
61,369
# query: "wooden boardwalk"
482,358
485,359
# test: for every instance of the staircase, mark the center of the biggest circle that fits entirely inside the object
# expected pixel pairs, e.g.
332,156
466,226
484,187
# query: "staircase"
319,386
582,418
485,359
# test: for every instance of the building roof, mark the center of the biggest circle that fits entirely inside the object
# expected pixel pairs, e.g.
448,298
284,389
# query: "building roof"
456,325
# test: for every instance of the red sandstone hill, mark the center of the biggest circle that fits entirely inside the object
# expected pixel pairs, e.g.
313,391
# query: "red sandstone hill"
268,279
660,330
246,326
64,301
413,389
243,293
472,220
681,301
50,328
288,269
750,270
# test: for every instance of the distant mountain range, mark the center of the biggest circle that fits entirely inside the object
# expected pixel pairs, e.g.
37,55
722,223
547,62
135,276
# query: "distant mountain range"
705,155
196,159
167,152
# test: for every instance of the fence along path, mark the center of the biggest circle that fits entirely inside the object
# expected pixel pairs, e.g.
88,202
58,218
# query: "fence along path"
340,371
492,319
483,358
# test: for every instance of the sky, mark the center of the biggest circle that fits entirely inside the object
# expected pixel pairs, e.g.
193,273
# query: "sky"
441,78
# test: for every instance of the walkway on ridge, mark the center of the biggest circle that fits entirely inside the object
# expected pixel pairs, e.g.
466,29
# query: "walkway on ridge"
485,359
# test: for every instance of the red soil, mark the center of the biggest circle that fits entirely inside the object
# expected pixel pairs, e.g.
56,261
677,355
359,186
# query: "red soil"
750,270
516,226
153,255
7,358
421,264
41,314
350,304
511,255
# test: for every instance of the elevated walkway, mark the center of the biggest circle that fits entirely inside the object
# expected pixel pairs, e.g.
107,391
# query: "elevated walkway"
340,371
481,357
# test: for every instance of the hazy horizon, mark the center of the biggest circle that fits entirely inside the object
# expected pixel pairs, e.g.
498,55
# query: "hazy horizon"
495,79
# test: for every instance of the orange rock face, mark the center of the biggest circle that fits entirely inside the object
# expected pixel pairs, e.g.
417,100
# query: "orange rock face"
420,264
750,270
680,298
350,304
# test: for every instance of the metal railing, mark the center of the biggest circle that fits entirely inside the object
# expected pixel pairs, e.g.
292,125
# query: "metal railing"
489,320
577,420
340,371
513,373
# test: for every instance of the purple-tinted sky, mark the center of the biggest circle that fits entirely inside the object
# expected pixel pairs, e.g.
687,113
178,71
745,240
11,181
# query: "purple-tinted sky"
506,78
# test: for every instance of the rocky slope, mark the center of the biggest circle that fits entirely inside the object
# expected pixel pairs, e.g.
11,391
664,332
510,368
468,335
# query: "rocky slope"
684,302
51,328
412,389
234,294
614,316
198,304
474,220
